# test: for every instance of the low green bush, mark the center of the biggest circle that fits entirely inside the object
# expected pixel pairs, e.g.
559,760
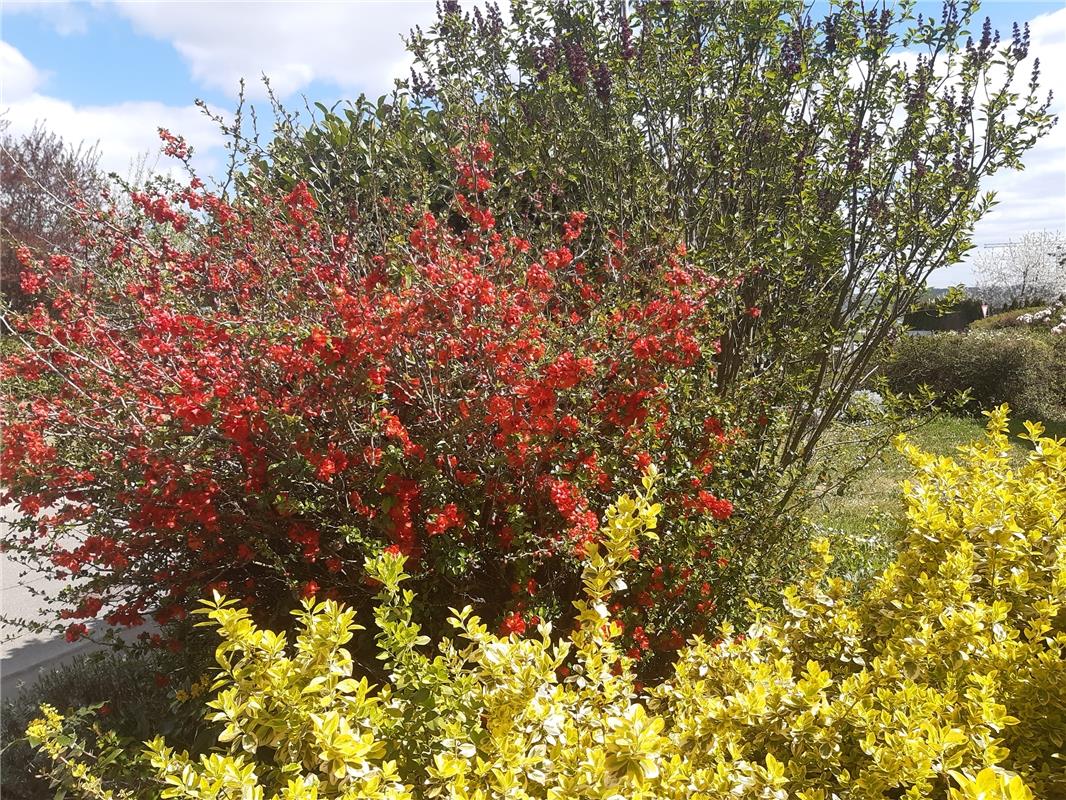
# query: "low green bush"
1023,368
126,694
945,680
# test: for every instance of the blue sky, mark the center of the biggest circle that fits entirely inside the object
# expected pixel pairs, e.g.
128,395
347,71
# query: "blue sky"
113,70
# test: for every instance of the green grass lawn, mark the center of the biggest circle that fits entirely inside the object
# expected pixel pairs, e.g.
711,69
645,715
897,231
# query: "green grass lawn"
867,522
876,490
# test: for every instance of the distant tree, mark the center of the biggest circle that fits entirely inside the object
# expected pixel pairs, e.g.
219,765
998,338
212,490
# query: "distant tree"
1026,272
40,175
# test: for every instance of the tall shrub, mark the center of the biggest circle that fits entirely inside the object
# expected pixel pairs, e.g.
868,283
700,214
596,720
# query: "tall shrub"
825,157
41,177
699,226
222,396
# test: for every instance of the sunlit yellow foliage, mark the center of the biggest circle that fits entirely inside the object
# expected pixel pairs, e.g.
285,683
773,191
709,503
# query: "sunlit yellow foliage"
946,680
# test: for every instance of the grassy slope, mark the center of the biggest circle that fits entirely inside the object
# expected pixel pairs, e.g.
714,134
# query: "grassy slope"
877,489
867,522
1006,319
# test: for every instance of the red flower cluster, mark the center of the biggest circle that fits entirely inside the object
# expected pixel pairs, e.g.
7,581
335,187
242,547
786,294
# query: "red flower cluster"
261,403
444,519
513,623
717,507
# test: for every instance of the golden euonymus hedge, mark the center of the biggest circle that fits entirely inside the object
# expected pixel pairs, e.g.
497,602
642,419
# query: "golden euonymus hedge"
946,679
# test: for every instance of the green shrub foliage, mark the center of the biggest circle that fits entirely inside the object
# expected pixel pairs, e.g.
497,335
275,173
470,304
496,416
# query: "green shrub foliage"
946,679
122,695
1025,369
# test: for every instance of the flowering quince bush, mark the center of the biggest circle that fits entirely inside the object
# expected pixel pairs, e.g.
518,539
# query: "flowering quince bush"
217,395
946,679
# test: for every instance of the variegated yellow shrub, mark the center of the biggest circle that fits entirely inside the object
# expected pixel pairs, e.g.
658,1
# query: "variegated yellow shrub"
946,680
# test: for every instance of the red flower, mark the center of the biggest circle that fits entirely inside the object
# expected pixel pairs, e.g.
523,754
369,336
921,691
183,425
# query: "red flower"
483,152
445,378
719,508
513,624
645,347
75,631
444,519
300,198
640,638
572,229
569,426
30,282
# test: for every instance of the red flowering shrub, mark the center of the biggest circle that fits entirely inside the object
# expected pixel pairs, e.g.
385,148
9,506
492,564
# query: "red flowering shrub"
219,395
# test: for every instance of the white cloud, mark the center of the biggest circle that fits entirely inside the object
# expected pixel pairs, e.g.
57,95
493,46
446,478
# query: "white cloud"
127,133
18,77
355,45
65,16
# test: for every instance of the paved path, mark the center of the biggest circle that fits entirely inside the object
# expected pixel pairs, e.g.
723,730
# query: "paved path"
24,654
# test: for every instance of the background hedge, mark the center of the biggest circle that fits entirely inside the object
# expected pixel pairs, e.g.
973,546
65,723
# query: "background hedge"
1023,368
